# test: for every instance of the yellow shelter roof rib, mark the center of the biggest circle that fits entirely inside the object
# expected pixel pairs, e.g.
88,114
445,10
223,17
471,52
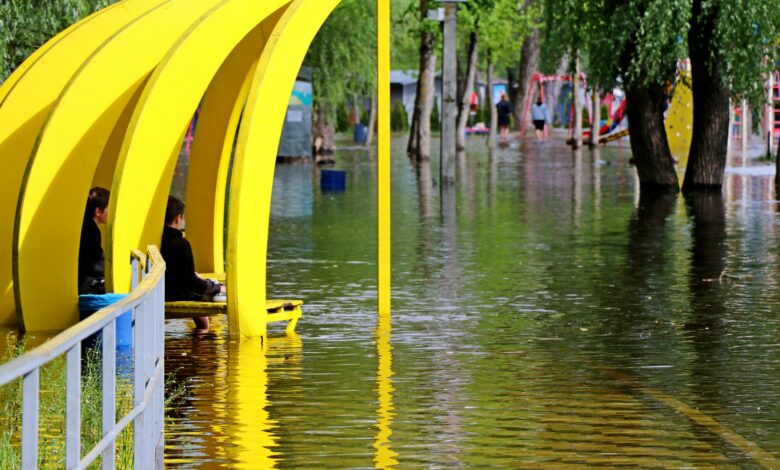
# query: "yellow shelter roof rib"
25,101
68,151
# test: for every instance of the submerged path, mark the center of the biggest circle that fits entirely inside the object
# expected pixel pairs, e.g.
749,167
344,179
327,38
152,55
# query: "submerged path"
552,319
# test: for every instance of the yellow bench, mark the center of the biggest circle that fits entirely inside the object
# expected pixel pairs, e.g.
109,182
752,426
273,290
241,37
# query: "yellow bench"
278,310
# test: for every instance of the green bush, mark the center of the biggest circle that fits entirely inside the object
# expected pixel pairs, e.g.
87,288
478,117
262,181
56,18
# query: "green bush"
435,116
342,119
399,120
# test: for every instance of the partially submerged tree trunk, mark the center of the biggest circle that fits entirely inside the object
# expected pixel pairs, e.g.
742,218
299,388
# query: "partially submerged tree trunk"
595,117
577,91
490,100
709,142
371,121
322,133
419,147
529,63
464,107
649,145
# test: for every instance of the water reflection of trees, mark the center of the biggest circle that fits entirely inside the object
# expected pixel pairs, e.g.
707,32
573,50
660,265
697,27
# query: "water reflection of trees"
704,327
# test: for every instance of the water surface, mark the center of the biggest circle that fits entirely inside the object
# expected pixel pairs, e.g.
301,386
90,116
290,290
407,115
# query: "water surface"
544,315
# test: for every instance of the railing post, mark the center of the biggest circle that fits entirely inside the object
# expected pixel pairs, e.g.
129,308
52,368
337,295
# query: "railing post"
73,406
134,272
159,393
30,397
150,362
139,385
109,391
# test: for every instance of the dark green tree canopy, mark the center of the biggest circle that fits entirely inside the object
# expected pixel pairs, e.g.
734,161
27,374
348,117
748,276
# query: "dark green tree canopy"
641,41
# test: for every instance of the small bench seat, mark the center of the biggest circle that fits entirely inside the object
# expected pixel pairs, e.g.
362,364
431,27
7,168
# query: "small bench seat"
278,310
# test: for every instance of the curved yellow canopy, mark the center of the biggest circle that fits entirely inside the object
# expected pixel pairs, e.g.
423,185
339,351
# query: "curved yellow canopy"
107,102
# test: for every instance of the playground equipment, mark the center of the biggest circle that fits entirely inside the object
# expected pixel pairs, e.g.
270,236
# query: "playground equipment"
679,118
108,101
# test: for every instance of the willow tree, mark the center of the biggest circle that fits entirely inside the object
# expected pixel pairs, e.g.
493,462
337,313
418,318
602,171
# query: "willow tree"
733,45
636,42
343,62
640,43
25,25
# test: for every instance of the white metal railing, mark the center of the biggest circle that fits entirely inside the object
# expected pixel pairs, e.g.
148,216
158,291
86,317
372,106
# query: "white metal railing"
147,304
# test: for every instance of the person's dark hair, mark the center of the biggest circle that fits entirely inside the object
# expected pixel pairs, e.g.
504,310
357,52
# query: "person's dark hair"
97,199
174,209
539,102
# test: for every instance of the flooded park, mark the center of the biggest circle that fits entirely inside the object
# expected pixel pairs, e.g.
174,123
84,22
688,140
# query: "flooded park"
418,234
553,319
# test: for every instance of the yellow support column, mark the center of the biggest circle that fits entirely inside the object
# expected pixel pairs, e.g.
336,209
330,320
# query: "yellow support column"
383,151
255,158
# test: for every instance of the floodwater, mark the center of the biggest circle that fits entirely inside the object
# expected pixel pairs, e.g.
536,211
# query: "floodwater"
544,315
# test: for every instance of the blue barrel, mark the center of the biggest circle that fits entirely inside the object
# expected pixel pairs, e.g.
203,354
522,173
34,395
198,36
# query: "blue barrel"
333,180
359,134
89,304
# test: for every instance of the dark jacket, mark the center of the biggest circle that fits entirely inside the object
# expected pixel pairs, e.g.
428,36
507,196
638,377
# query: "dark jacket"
181,282
504,110
91,264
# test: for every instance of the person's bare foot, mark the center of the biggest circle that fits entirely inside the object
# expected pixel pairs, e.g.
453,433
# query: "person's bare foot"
201,324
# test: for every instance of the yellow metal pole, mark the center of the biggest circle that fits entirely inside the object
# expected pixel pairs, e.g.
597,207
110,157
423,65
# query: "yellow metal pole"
383,152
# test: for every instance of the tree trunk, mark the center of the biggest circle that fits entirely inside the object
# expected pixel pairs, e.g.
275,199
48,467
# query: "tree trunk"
649,146
577,91
371,121
709,141
490,101
464,109
322,134
419,147
595,116
529,63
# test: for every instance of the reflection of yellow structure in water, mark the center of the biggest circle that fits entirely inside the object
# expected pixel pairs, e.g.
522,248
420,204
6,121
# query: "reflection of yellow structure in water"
249,395
252,429
384,457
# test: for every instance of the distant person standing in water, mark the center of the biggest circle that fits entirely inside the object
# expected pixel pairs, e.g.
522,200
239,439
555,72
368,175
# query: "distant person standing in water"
539,117
92,278
504,110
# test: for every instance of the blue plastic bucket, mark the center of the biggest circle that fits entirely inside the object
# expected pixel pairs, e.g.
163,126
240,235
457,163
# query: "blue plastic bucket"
333,180
360,133
89,304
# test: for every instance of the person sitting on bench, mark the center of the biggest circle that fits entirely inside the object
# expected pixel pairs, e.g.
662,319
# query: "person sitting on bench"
181,280
92,279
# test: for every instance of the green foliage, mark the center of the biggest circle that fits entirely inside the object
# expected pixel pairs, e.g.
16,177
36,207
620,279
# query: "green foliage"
343,56
435,116
342,119
502,24
483,114
641,41
25,25
399,120
747,41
